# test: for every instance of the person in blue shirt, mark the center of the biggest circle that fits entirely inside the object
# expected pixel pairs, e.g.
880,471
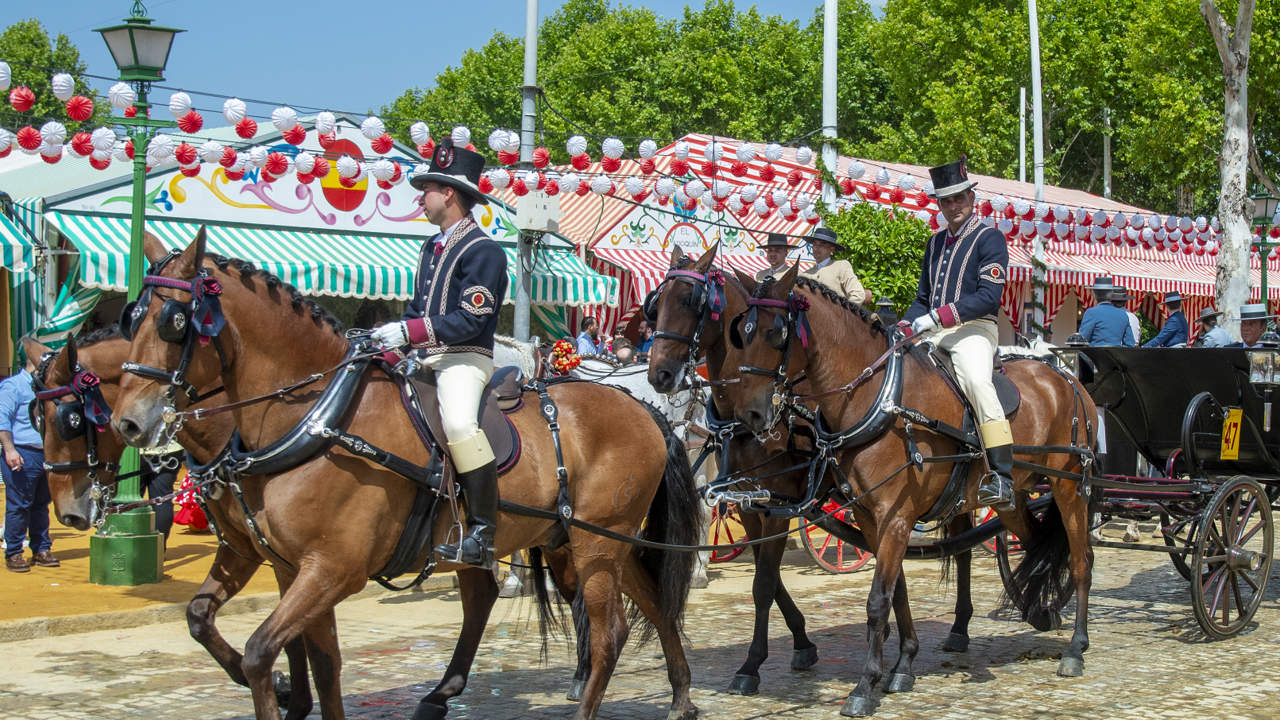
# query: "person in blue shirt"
1104,323
1175,330
26,487
589,340
646,337
1211,335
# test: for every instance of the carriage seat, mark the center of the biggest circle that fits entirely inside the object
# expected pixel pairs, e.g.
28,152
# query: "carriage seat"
503,395
1010,397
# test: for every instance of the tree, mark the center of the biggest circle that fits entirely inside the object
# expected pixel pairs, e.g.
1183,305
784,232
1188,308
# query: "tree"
886,249
1234,206
33,59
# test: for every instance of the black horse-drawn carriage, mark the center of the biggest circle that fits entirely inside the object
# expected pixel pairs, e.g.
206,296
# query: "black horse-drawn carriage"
1188,441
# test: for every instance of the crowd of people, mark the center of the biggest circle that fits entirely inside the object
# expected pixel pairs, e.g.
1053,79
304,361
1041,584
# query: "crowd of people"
1111,323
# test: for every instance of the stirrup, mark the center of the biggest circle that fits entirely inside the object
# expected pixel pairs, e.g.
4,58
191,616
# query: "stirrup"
482,557
996,491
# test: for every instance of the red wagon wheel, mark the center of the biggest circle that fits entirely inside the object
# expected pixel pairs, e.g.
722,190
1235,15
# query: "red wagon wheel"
830,552
726,529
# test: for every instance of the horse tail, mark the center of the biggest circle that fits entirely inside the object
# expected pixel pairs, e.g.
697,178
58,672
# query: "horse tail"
1041,583
550,613
673,519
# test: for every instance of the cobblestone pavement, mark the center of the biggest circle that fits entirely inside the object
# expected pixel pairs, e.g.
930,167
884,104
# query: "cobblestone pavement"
1148,658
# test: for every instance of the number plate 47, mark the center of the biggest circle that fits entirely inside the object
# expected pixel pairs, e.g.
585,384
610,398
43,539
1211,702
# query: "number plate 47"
1231,435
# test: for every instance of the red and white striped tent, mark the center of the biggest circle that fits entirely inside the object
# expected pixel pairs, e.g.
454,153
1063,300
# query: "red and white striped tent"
628,230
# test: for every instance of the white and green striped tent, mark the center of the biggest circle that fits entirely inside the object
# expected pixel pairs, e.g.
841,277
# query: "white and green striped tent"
345,265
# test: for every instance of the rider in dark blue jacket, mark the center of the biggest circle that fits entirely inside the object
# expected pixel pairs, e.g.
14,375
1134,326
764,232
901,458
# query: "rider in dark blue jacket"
1175,330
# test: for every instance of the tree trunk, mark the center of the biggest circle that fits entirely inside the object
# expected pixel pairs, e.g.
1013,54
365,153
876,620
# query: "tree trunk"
1234,208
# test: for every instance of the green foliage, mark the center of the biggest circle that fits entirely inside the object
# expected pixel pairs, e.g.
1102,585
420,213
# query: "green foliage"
885,249
33,59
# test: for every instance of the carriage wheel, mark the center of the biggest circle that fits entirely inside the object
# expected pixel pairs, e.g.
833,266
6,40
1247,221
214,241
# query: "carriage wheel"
1232,559
1179,535
830,552
985,514
726,529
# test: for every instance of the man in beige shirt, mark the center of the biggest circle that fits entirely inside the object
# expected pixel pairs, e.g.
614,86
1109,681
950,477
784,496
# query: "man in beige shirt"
775,251
835,274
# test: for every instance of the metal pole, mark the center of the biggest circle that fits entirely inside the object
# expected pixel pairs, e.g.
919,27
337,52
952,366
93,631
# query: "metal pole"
1022,134
1106,152
1037,133
830,160
528,120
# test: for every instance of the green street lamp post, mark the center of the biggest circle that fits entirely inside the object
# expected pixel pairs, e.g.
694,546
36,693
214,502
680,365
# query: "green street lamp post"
1266,214
128,550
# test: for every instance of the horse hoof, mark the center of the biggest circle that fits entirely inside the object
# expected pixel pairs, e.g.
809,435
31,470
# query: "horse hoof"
745,685
283,688
900,682
699,581
804,658
689,713
859,706
430,711
576,688
956,643
1045,620
1071,666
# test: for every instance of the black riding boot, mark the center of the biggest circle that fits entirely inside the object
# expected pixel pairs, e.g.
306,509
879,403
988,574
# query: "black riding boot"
480,493
997,488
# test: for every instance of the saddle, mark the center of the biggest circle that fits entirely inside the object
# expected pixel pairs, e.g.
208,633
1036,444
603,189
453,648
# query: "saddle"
1006,390
502,395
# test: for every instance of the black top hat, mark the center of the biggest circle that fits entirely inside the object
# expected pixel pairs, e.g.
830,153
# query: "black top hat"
824,234
1208,314
1172,297
950,179
456,167
778,240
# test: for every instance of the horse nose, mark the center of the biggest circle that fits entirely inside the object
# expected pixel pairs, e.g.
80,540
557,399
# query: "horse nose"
71,520
664,380
129,429
755,419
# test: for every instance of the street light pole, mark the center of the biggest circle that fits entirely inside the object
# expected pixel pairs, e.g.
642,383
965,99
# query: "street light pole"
1266,215
128,550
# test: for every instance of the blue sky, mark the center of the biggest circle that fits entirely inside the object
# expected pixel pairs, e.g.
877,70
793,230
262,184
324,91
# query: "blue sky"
315,53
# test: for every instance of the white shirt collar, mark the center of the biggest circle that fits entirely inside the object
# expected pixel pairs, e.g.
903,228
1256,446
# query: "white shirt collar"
444,234
822,264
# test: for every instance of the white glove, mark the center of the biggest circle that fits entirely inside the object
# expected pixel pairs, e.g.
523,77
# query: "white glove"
391,335
923,324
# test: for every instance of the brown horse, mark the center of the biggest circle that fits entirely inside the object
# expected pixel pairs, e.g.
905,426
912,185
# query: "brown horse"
801,327
336,518
70,480
685,331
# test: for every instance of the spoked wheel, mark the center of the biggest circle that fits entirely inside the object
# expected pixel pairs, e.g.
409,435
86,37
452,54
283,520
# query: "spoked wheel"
1179,535
1232,559
726,529
830,552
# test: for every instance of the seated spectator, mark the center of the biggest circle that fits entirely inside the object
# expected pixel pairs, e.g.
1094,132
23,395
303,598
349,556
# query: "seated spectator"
1253,321
1210,334
1174,331
589,341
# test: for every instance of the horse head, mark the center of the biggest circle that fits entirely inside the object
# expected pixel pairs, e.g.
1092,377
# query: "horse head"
71,412
175,317
686,313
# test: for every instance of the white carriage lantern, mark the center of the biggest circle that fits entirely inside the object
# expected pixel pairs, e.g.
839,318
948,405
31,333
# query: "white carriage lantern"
1070,353
1264,372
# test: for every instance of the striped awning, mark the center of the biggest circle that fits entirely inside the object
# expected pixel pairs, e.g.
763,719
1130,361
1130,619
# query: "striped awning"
15,247
74,305
359,266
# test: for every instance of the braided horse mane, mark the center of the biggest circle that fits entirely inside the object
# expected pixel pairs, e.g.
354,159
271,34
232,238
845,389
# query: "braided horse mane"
817,288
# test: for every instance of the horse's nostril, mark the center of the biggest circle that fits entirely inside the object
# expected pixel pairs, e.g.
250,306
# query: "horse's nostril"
128,428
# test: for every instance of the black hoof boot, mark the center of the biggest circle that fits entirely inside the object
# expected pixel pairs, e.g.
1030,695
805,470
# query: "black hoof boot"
284,690
859,706
804,658
956,643
576,688
1071,666
900,682
745,685
430,711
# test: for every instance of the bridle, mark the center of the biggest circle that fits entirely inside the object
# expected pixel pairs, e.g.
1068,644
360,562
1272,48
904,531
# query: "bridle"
707,300
197,322
781,336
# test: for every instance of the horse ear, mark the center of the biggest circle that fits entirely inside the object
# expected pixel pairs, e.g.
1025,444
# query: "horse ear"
152,247
704,262
747,282
676,256
782,287
200,240
188,263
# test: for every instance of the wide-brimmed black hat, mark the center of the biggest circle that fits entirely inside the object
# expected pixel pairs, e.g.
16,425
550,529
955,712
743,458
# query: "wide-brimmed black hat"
824,234
1208,314
1103,284
456,167
1172,297
777,240
1120,293
950,179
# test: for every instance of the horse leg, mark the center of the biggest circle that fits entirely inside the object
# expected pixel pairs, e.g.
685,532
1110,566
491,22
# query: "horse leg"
643,591
313,592
958,638
479,592
326,666
602,597
902,678
228,576
297,704
566,580
890,551
1075,518
703,558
